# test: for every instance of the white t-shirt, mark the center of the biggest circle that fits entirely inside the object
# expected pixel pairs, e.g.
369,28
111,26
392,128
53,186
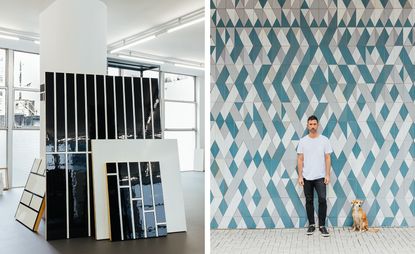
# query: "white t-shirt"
314,151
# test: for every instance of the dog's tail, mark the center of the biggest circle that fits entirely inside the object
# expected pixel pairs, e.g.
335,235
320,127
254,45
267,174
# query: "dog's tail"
373,230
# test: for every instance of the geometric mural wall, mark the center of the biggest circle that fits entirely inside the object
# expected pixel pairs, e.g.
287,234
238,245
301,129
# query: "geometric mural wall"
273,64
135,196
79,108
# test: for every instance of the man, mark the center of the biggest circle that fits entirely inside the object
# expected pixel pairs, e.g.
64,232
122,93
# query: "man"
314,173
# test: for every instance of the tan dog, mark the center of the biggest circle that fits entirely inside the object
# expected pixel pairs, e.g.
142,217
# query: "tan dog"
359,217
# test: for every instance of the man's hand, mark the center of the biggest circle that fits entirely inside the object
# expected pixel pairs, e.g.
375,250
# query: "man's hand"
327,179
301,181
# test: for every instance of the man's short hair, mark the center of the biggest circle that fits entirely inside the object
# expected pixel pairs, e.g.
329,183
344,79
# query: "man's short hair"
311,118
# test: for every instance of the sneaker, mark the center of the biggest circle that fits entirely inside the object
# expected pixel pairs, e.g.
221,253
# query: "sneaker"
311,229
324,231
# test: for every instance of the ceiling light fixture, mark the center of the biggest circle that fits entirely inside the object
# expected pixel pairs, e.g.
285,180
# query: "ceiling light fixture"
134,58
9,37
190,66
185,25
129,45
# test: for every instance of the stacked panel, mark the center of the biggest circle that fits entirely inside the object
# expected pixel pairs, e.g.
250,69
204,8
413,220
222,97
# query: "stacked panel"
81,107
136,205
31,206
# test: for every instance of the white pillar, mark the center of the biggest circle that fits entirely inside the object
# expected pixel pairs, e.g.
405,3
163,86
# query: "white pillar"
73,39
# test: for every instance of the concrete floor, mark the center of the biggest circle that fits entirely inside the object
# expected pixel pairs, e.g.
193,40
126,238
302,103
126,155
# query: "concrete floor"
17,239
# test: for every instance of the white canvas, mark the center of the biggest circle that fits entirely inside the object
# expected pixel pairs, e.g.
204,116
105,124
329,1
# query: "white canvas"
163,150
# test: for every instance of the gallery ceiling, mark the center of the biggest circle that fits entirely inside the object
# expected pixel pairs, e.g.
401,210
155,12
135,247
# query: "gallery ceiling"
125,18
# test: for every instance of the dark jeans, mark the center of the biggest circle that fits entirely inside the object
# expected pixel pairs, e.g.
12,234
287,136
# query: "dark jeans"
320,188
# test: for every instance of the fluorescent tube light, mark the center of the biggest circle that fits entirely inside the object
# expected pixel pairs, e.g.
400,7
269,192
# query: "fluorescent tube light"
185,25
141,59
190,67
129,45
9,37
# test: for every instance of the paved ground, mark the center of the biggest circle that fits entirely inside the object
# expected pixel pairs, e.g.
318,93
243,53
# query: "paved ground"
341,240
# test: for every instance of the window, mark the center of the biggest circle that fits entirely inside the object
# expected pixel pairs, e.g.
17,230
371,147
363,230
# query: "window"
3,91
2,67
113,71
26,90
180,115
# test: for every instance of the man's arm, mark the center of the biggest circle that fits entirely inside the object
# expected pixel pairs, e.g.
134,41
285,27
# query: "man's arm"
328,167
300,162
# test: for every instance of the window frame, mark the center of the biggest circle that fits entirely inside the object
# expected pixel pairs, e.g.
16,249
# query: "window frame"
15,89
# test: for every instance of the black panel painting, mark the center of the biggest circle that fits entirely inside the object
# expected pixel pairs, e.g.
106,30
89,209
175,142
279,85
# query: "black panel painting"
77,191
115,233
81,107
100,107
140,220
158,192
147,189
60,112
90,87
91,196
147,109
138,105
126,214
56,197
50,112
156,108
135,180
129,109
70,105
110,107
80,110
119,94
123,174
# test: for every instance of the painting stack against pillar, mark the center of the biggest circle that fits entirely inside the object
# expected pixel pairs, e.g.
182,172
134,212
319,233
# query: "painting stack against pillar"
31,205
136,204
79,108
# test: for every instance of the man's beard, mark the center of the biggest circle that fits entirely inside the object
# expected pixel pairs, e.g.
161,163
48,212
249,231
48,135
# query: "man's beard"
313,130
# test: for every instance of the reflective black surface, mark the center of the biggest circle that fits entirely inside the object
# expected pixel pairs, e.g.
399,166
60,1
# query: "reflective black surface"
96,110
100,107
138,100
119,94
143,216
70,105
91,196
80,110
156,108
90,87
114,211
111,168
158,192
110,107
127,225
56,197
60,112
150,224
138,218
135,180
147,109
78,200
50,111
129,107
147,188
123,174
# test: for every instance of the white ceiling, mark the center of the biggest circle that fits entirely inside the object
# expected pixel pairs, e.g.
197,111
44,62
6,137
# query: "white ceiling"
125,18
